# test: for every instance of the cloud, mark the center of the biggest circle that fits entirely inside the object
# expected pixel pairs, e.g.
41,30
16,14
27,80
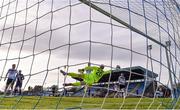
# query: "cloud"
98,32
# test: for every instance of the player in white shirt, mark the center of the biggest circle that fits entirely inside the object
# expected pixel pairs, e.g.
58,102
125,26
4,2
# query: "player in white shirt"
122,83
11,75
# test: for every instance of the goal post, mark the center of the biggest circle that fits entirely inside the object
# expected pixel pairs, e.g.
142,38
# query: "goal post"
93,4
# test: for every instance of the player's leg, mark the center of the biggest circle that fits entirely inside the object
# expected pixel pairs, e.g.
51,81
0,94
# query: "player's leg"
75,75
20,86
12,84
87,80
16,88
115,94
75,84
122,89
6,88
7,85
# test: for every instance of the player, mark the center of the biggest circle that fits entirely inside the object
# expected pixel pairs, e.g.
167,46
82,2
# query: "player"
88,79
122,82
19,81
11,78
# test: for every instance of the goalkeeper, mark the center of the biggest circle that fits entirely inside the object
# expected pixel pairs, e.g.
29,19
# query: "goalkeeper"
88,79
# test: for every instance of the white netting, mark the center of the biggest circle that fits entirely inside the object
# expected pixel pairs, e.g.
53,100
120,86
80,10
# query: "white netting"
44,36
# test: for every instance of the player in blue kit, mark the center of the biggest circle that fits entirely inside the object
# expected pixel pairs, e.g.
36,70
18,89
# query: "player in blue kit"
19,81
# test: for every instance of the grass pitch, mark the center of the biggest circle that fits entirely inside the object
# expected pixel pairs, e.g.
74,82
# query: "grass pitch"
29,102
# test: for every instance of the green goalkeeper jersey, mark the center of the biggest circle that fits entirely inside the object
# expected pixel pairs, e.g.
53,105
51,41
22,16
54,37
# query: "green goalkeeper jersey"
94,76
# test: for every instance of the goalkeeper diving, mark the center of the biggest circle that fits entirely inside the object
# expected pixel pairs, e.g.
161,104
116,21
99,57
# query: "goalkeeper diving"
88,79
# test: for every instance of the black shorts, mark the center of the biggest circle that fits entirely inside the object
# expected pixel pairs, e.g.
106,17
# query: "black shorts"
122,86
10,81
18,84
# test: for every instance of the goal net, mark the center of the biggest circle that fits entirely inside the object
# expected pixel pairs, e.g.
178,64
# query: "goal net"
43,37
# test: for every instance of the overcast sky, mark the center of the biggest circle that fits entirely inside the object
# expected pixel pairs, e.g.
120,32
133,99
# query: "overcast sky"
86,25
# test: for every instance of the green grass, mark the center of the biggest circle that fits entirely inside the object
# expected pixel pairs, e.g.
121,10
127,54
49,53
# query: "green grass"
29,102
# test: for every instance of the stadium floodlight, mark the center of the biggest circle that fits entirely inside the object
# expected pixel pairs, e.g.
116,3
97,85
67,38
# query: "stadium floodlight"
168,43
149,47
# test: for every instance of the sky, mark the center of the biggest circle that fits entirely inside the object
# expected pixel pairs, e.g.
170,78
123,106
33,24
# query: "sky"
35,48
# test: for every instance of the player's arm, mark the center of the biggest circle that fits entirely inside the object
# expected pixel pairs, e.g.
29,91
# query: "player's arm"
6,75
107,72
22,77
119,78
16,76
90,68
